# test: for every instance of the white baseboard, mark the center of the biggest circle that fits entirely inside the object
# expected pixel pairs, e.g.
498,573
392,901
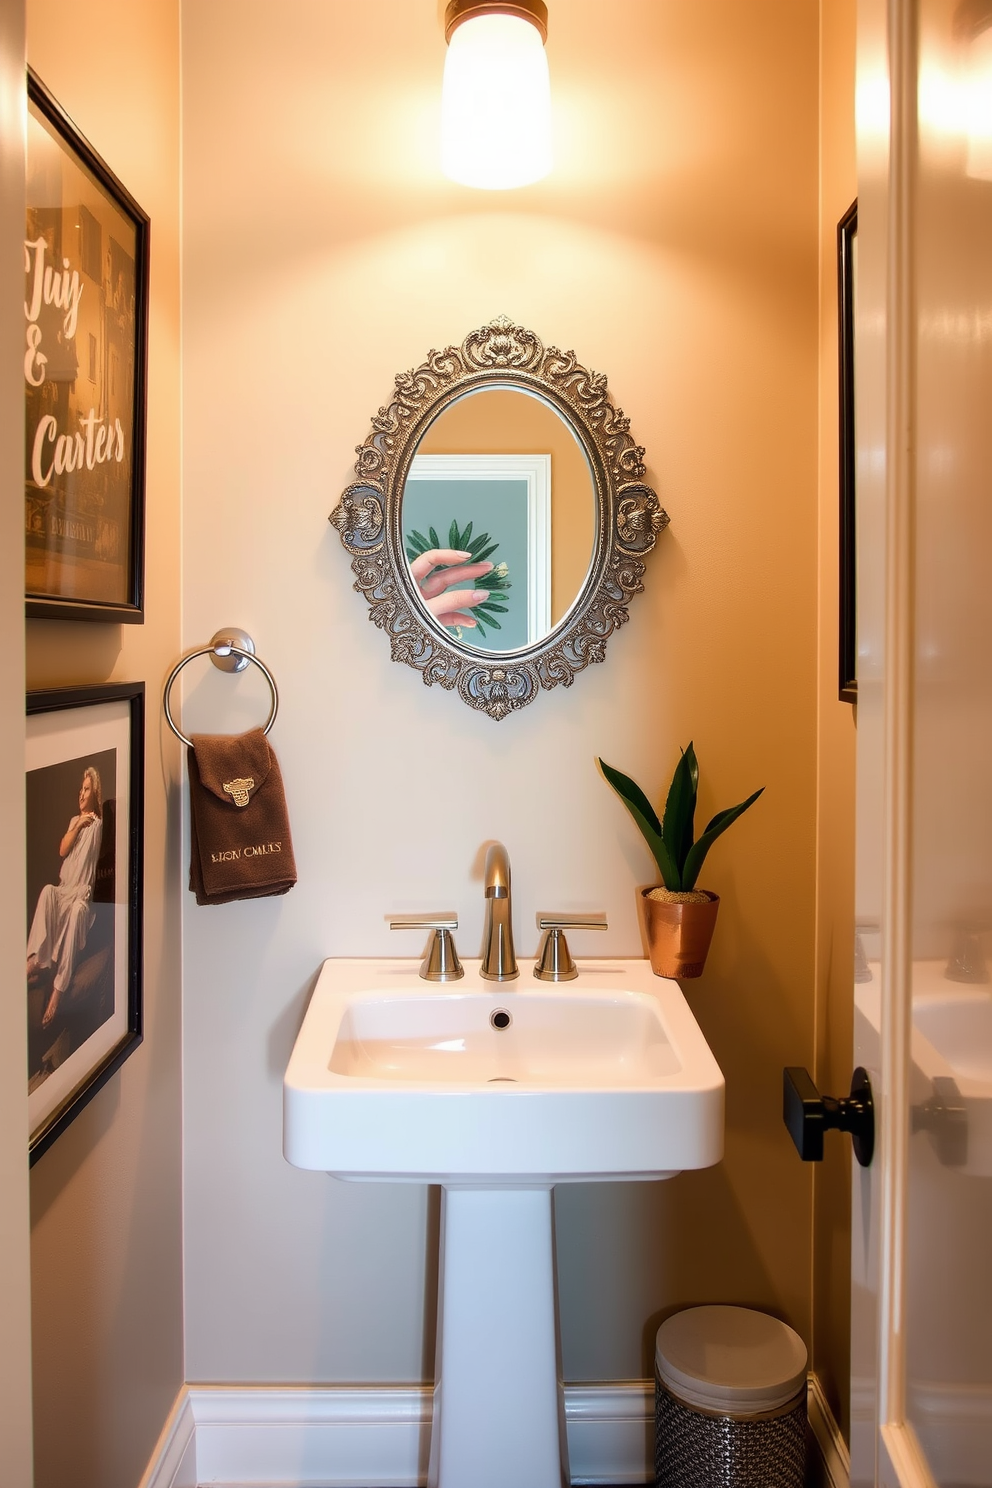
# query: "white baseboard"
258,1436
173,1462
830,1464
376,1437
611,1432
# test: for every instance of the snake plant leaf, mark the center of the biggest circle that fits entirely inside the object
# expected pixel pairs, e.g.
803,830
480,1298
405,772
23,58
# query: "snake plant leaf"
714,829
466,535
680,808
418,540
631,794
453,535
479,630
435,540
646,818
481,557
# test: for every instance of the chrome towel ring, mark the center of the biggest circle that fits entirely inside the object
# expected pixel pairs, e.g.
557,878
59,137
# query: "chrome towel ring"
231,650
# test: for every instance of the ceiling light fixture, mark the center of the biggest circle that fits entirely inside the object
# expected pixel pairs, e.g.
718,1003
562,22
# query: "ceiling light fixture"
496,96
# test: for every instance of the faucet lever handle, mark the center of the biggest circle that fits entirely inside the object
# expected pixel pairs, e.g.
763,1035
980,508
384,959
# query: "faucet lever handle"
554,959
441,964
551,920
442,919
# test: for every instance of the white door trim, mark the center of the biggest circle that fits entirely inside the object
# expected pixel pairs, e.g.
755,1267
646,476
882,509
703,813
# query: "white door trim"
901,1458
898,673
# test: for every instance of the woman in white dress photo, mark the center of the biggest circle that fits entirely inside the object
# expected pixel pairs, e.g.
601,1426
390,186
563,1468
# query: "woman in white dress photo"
64,912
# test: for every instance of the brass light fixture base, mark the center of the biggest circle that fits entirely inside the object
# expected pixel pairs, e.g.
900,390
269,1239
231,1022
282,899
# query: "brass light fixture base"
457,11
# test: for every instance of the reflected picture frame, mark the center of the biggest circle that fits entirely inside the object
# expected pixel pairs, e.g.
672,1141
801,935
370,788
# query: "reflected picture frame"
86,263
847,268
482,482
84,790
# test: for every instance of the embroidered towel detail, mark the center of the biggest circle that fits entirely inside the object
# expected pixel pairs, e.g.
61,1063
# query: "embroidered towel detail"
240,845
239,790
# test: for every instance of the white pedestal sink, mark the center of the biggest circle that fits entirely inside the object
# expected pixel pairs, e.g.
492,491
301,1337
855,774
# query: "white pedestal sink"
606,1078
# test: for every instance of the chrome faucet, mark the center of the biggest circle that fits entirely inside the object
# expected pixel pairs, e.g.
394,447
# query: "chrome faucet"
499,964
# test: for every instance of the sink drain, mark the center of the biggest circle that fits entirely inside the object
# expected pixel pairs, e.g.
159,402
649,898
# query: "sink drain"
500,1018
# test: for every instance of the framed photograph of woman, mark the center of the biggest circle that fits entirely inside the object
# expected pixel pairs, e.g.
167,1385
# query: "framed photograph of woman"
84,791
86,313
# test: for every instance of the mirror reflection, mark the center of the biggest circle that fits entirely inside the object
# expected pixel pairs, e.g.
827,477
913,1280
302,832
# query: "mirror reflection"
498,518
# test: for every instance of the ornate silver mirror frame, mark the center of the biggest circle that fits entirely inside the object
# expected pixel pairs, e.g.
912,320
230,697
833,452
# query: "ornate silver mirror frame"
628,517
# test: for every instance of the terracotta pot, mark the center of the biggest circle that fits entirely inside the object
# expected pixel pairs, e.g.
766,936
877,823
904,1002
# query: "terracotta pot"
678,935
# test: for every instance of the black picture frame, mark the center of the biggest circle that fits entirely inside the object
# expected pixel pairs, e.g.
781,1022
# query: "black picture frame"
847,655
85,377
87,926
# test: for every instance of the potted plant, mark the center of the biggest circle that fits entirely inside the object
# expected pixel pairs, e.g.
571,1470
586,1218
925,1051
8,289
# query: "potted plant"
678,917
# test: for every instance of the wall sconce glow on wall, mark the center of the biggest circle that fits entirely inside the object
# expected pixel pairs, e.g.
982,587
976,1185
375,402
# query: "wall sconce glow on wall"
973,25
496,96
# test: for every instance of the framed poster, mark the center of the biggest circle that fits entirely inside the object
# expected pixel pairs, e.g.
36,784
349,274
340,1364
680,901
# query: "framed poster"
86,313
84,792
847,288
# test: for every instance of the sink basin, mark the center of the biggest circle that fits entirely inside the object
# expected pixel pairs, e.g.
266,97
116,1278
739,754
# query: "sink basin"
499,1091
607,1077
450,1039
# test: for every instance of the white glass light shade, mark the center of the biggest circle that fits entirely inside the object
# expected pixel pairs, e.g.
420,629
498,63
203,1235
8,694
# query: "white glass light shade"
496,104
979,106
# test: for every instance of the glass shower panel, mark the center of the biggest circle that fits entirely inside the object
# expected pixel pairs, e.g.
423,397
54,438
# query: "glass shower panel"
949,1259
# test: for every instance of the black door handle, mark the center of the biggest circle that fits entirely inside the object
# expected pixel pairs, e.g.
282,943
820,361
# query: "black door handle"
808,1114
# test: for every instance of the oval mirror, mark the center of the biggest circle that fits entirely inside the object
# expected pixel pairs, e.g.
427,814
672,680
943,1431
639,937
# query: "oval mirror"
499,521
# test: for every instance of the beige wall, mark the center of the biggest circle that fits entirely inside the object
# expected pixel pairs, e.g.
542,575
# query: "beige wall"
15,1355
106,1229
676,248
835,744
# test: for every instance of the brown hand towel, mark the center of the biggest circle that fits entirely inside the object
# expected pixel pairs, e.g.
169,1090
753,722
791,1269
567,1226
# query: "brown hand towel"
240,846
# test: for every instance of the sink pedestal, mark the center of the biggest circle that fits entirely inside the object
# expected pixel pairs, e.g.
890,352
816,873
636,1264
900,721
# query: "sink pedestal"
499,1419
604,1079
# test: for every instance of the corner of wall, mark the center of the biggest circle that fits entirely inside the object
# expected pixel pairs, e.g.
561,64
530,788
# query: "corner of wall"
15,1356
835,741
